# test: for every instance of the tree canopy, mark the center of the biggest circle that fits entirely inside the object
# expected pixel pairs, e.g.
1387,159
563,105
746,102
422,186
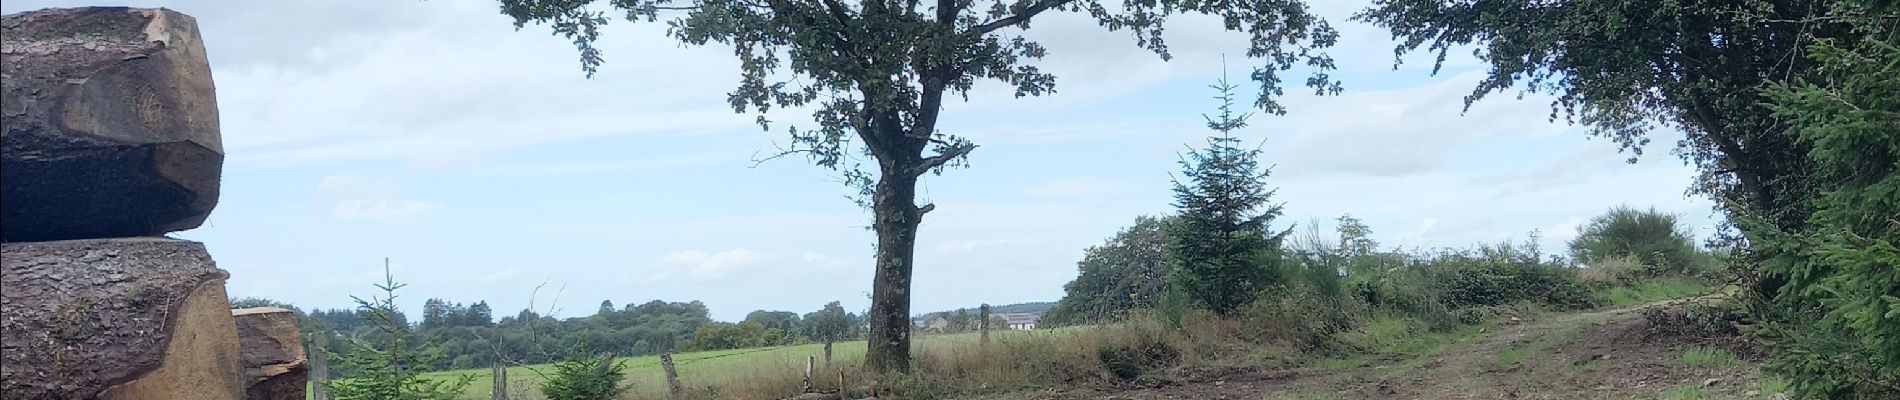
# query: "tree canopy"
1128,271
875,74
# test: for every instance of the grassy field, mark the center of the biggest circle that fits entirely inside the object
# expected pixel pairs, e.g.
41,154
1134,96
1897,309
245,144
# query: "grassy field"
725,368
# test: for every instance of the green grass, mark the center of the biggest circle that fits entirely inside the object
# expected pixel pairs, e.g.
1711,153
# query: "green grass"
1708,357
1684,392
1774,385
1650,291
1390,337
722,367
1510,357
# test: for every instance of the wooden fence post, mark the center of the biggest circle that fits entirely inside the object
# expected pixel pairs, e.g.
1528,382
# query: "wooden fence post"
983,312
827,353
810,362
501,381
673,389
319,361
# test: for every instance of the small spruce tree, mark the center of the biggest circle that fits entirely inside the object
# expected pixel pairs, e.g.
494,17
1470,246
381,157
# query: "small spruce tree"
390,366
586,376
1222,237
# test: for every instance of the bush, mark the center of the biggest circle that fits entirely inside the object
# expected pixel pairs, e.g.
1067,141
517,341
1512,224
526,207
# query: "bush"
1503,274
1301,316
1655,239
584,376
1128,361
1611,272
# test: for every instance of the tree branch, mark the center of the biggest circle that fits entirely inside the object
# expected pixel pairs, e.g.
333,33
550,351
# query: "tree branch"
940,159
1025,15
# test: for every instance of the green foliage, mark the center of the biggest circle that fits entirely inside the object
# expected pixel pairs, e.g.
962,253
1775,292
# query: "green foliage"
1685,392
391,368
1651,290
875,75
1503,274
1221,237
1708,357
783,321
1133,359
1655,239
1628,68
726,335
1834,321
1127,272
584,376
830,323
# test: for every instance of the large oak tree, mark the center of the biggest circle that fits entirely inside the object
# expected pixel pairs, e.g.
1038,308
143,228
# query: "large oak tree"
876,72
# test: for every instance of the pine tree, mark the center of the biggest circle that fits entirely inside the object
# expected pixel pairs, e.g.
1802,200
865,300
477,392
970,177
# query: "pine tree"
1221,246
390,366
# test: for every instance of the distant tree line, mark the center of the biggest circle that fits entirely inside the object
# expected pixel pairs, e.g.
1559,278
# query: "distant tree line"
468,335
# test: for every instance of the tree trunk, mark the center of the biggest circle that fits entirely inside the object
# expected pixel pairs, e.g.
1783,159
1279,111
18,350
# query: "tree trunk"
895,222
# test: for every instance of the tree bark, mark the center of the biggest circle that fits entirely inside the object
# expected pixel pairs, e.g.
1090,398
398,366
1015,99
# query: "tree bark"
271,354
130,318
895,222
673,389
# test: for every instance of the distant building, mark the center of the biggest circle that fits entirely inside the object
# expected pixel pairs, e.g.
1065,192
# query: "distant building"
937,325
1020,321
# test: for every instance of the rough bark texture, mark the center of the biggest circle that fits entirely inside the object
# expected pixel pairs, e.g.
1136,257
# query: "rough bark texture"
895,223
271,354
320,366
111,124
130,318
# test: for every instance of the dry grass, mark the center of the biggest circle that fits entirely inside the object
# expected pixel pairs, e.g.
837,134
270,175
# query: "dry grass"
1137,351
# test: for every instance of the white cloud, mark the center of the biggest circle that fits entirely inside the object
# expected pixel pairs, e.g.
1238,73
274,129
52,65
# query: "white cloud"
350,196
708,266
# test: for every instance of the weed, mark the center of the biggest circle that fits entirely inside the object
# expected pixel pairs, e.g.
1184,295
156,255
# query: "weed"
1684,392
1708,357
1651,291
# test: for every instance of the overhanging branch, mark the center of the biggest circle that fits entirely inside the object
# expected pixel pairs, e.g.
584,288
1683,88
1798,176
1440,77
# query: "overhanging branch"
948,155
1025,15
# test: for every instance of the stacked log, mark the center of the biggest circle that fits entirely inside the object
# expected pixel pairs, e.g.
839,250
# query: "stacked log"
110,141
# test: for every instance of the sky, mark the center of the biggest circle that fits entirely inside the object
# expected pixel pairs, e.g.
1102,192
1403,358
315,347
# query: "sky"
484,165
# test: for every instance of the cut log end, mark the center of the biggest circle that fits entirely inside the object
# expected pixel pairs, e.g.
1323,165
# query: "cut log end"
132,318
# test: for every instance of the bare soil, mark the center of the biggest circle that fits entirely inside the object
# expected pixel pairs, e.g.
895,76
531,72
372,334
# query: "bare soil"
1608,354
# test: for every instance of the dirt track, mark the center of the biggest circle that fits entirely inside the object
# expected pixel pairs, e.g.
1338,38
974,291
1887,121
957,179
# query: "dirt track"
1608,354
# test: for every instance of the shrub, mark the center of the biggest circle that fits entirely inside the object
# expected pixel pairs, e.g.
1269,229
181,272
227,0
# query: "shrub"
1654,238
1611,271
1502,274
1128,361
1299,316
584,376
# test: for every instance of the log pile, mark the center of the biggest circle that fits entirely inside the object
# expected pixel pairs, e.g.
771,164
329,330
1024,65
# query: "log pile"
110,141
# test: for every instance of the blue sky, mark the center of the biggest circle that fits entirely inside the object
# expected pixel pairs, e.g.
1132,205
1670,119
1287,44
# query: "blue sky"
485,165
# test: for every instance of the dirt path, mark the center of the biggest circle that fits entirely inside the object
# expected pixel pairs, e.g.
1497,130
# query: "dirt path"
1608,354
